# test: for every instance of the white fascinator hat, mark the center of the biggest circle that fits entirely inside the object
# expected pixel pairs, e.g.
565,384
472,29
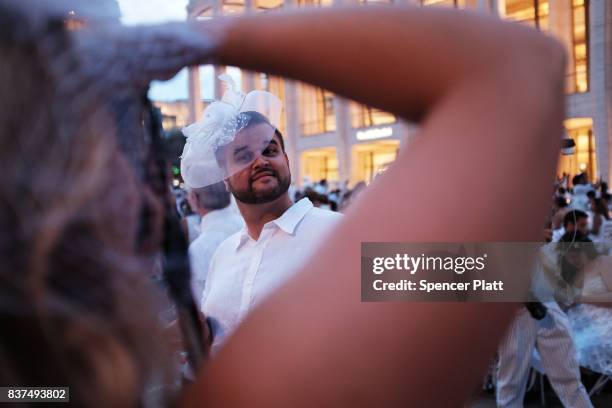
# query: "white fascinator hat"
231,136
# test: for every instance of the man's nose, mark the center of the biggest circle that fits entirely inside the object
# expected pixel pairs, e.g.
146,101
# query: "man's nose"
260,161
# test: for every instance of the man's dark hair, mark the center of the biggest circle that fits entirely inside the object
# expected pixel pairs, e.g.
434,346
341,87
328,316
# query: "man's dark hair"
591,194
252,118
561,202
255,118
579,179
573,216
575,237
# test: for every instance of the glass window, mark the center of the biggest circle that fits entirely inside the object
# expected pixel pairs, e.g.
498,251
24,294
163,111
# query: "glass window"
372,159
276,86
449,3
575,36
232,7
205,14
315,3
472,4
175,115
365,116
530,12
578,80
265,5
316,107
319,164
376,1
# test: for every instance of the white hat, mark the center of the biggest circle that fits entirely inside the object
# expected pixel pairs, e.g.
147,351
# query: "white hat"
223,121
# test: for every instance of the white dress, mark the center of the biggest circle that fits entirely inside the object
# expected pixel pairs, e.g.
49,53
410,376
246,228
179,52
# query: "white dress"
592,326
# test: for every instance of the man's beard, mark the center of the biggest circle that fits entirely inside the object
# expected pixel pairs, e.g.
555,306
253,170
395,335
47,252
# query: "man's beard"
250,196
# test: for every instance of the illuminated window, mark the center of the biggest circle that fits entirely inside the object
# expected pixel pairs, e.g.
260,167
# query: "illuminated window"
232,7
449,3
315,3
473,4
376,1
319,164
276,86
205,14
584,159
175,115
316,110
265,5
372,159
365,116
536,14
530,12
578,80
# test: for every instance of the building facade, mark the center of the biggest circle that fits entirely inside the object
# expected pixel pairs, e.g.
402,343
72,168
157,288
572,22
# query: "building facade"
329,137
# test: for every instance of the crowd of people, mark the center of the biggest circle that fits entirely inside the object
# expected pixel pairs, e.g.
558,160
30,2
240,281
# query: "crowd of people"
564,334
589,206
567,330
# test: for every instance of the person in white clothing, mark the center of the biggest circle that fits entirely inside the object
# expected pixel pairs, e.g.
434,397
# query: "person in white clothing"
573,221
548,331
218,221
237,142
245,270
278,238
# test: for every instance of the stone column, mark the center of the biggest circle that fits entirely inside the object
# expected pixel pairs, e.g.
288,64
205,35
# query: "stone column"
343,124
487,7
499,7
560,26
292,115
343,135
195,99
217,11
600,19
248,77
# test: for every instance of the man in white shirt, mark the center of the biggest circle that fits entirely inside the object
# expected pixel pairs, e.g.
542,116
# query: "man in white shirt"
278,237
573,221
218,221
580,201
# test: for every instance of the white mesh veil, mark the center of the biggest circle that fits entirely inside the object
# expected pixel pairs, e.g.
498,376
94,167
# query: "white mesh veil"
219,146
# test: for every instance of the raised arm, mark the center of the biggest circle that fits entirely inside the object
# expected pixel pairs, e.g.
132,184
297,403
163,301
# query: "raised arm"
491,98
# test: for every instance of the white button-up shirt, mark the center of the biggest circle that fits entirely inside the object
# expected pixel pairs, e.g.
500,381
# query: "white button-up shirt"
215,227
244,271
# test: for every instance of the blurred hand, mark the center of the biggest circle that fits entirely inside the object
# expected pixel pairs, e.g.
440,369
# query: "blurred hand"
132,57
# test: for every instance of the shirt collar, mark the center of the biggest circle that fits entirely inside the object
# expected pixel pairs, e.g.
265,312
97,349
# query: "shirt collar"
287,222
292,217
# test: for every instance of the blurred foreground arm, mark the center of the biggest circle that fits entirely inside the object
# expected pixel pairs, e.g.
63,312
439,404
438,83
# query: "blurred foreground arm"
490,96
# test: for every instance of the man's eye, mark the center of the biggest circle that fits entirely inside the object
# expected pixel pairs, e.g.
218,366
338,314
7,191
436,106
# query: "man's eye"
270,152
244,157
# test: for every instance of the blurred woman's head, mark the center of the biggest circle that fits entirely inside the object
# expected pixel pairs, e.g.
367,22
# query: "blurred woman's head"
75,301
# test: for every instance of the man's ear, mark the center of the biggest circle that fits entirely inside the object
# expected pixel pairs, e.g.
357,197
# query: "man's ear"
192,199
